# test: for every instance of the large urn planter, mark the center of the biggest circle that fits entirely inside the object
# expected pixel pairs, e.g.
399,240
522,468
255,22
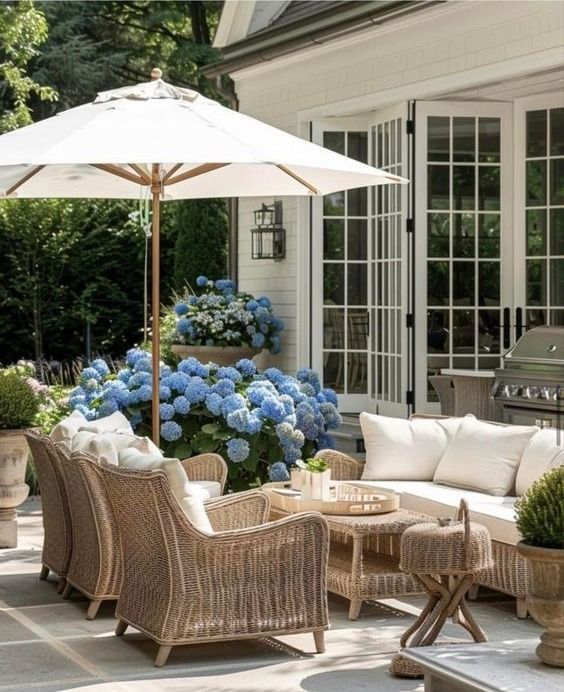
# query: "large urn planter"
222,355
13,489
545,600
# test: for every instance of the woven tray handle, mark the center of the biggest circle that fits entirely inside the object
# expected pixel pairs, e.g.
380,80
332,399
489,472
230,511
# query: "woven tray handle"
463,515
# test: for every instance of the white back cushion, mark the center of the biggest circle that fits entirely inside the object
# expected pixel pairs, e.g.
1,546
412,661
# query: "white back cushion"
541,454
66,429
116,422
398,449
484,457
106,446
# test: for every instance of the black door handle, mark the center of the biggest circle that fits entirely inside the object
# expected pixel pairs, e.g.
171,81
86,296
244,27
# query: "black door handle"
506,327
518,323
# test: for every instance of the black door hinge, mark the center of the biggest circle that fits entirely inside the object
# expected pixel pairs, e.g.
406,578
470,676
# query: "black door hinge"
409,320
409,225
409,397
410,127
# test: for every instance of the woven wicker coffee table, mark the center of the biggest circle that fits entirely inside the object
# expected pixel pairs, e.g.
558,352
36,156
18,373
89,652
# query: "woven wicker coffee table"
364,555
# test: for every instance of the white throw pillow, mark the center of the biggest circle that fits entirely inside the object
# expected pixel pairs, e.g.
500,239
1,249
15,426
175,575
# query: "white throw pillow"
399,449
484,457
542,454
107,445
80,440
66,429
117,422
193,508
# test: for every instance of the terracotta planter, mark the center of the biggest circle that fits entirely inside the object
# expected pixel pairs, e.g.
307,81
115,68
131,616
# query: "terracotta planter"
13,489
545,601
222,355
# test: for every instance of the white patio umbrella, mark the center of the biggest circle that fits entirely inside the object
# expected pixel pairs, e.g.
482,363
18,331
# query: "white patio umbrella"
174,144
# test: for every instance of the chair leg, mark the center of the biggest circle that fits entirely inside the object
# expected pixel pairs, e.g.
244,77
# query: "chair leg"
93,609
522,610
319,639
162,655
67,590
44,572
61,585
121,627
473,592
354,609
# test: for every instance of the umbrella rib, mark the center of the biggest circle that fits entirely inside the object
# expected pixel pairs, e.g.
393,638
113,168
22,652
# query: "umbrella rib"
194,172
295,176
23,180
172,171
142,172
119,172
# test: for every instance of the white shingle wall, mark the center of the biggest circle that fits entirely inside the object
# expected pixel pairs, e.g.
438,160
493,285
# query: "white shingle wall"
454,40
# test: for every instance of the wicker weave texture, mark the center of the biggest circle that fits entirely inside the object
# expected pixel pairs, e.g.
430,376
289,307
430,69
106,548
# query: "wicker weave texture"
206,467
95,566
57,542
182,586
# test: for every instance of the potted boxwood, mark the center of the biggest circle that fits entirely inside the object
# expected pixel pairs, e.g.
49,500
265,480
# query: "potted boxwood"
540,520
20,397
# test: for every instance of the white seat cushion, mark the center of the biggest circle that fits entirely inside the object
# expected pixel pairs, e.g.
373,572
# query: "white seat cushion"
66,429
541,454
117,422
497,514
484,457
211,488
107,445
405,449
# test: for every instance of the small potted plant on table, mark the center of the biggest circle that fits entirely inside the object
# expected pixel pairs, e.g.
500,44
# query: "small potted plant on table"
20,397
315,477
540,520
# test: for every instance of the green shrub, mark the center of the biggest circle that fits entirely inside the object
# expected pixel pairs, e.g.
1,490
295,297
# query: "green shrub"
540,512
19,402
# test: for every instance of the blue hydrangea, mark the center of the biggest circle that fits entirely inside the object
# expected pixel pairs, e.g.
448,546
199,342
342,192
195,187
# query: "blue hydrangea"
139,378
264,302
238,450
252,305
259,390
275,344
145,392
262,314
330,396
330,415
89,374
166,412
311,377
278,472
307,389
214,403
164,392
326,441
166,371
229,373
180,309
273,409
100,366
257,340
76,400
124,375
202,281
274,375
181,405
171,431
184,326
224,388
133,355
292,389
197,390
107,408
86,412
243,421
144,365
247,367
135,420
179,381
192,366
232,403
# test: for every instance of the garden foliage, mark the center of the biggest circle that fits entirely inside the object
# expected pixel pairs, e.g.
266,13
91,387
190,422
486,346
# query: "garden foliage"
261,423
20,396
540,511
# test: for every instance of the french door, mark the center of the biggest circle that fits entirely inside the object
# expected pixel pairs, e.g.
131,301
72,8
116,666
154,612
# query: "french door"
464,210
359,270
539,211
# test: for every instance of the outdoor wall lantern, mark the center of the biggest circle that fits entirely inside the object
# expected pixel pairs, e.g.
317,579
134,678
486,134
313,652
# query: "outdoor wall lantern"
268,238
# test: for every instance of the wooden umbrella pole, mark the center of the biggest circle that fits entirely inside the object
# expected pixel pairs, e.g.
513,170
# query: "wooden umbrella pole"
156,299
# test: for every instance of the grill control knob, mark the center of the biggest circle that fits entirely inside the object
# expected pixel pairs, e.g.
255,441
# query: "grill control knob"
534,391
544,393
526,393
504,391
514,390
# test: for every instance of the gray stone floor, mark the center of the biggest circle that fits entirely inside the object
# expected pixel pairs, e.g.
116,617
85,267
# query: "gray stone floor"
47,645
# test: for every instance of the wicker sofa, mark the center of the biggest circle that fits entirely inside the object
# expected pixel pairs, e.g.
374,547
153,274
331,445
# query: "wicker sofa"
510,573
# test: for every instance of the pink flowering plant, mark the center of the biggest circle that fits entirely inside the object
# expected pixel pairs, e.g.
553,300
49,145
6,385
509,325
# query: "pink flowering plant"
260,423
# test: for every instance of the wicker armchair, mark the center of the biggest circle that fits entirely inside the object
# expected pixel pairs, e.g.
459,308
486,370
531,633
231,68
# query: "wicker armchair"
181,586
510,574
57,543
206,467
95,565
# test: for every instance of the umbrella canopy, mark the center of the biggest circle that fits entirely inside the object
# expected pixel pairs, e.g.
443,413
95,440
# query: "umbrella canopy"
175,144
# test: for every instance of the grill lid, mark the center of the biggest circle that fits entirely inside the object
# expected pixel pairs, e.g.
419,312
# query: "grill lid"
538,345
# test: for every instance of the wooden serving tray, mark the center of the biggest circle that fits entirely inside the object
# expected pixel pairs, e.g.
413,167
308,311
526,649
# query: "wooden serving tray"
348,499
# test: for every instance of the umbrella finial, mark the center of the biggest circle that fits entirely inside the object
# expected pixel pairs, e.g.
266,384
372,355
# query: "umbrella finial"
156,73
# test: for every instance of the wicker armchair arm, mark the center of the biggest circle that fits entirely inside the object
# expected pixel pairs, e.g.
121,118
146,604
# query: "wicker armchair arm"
238,511
206,467
343,467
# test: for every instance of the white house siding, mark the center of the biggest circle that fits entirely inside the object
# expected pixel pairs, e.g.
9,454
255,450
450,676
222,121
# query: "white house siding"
454,46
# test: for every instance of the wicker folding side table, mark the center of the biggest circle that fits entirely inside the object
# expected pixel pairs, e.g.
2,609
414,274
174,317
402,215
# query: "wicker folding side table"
445,558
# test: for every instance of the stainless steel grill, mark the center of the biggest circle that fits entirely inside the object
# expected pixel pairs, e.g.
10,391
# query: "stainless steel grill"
530,386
